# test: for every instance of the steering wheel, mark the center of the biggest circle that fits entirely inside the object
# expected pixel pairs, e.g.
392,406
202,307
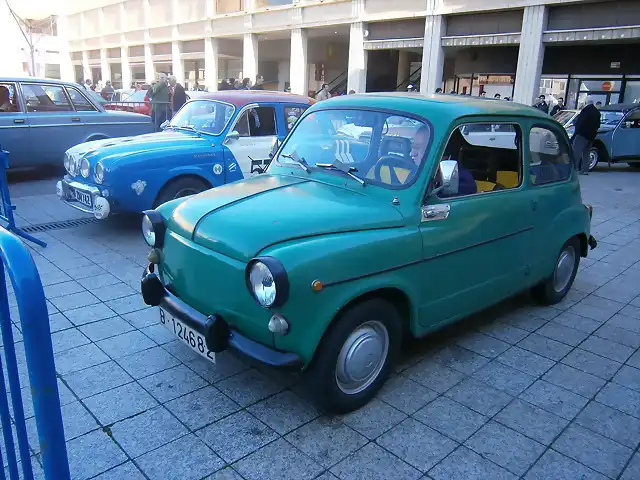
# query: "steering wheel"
391,161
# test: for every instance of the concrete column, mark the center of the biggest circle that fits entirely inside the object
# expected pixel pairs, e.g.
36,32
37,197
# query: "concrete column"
105,68
530,55
432,54
298,64
284,75
357,73
404,66
67,72
250,56
211,63
177,65
127,77
86,69
149,67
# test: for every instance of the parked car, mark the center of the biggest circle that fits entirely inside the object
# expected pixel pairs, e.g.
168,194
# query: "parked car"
215,139
130,100
326,261
51,116
618,139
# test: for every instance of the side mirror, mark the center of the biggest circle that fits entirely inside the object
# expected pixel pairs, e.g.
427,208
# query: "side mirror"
232,135
447,178
164,124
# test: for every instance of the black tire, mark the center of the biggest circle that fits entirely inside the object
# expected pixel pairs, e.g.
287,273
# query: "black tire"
547,292
180,187
321,378
634,164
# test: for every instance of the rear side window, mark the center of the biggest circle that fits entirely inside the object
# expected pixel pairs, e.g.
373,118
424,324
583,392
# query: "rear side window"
550,159
79,101
291,115
45,98
14,105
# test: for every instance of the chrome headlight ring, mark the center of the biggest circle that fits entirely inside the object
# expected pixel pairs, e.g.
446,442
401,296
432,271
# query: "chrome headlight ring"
85,168
267,281
98,173
153,228
67,163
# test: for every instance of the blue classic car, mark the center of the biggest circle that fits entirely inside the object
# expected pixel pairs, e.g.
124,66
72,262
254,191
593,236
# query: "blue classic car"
43,118
618,138
215,139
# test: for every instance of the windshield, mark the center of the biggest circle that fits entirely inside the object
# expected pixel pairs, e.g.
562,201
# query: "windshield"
379,148
610,118
135,96
563,116
205,116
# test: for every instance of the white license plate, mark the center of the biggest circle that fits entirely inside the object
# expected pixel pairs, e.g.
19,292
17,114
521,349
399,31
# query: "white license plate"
189,337
82,197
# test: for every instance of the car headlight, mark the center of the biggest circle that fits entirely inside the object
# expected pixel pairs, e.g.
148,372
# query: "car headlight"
67,163
153,228
85,168
99,173
267,281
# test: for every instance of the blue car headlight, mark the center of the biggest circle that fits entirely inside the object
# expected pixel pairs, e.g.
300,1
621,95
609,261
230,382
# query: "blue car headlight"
267,281
98,173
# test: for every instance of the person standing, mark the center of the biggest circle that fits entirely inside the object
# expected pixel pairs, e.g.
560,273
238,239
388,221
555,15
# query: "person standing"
324,93
541,104
108,91
558,106
259,83
178,95
159,96
587,124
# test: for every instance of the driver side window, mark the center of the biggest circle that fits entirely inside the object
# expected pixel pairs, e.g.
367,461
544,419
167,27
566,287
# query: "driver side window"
257,122
481,158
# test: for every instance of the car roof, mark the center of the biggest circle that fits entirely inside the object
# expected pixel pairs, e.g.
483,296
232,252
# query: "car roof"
240,98
620,107
35,79
436,105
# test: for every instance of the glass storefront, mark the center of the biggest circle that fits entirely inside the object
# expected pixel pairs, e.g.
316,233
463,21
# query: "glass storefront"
482,83
603,90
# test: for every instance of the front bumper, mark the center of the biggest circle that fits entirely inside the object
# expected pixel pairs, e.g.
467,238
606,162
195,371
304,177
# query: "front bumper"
217,332
96,203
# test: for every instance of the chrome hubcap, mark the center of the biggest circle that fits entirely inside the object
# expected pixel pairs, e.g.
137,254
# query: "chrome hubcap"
593,158
362,357
564,269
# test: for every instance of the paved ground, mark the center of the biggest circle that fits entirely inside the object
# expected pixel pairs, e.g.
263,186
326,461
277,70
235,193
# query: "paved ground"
517,392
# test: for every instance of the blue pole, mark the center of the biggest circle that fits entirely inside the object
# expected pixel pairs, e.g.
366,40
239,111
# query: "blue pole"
36,334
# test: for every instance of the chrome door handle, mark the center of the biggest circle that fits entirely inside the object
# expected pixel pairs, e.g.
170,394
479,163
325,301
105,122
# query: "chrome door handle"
75,119
431,213
19,120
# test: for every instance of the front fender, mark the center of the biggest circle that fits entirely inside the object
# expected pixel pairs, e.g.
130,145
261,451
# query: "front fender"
570,222
349,265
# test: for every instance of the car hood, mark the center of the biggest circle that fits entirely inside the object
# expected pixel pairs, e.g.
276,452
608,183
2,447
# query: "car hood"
111,151
242,218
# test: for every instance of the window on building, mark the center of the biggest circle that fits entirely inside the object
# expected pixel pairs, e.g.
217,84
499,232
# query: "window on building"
45,98
488,157
550,159
80,102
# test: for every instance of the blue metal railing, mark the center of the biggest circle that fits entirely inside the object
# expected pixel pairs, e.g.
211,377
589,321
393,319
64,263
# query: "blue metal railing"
34,323
6,207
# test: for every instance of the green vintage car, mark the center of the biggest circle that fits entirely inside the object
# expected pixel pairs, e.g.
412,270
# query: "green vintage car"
380,216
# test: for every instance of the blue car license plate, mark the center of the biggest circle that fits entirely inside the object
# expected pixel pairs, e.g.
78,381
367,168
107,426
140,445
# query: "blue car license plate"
82,197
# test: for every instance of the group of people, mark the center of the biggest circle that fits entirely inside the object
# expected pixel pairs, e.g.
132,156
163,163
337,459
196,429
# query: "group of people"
244,84
167,96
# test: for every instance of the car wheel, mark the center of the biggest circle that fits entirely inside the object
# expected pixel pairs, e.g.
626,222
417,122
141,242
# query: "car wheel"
180,187
634,164
594,157
556,287
355,356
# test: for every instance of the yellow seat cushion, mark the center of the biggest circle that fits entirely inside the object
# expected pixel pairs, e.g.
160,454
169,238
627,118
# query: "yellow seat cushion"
484,186
385,177
507,179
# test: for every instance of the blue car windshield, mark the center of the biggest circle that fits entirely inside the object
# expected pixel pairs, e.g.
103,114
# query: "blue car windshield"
385,149
206,116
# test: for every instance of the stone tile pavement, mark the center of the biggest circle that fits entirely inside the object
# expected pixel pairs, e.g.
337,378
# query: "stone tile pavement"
515,392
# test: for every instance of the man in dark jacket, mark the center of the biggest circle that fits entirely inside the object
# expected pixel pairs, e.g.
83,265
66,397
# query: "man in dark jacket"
160,104
178,95
586,128
542,104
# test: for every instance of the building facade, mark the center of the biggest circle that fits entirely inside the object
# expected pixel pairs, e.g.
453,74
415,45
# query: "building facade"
517,48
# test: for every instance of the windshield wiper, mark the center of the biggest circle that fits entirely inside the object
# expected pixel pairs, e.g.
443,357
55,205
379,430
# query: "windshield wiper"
186,127
341,167
297,160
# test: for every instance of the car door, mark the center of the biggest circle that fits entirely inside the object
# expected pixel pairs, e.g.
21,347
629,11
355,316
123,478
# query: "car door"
252,138
54,125
626,137
475,237
14,128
